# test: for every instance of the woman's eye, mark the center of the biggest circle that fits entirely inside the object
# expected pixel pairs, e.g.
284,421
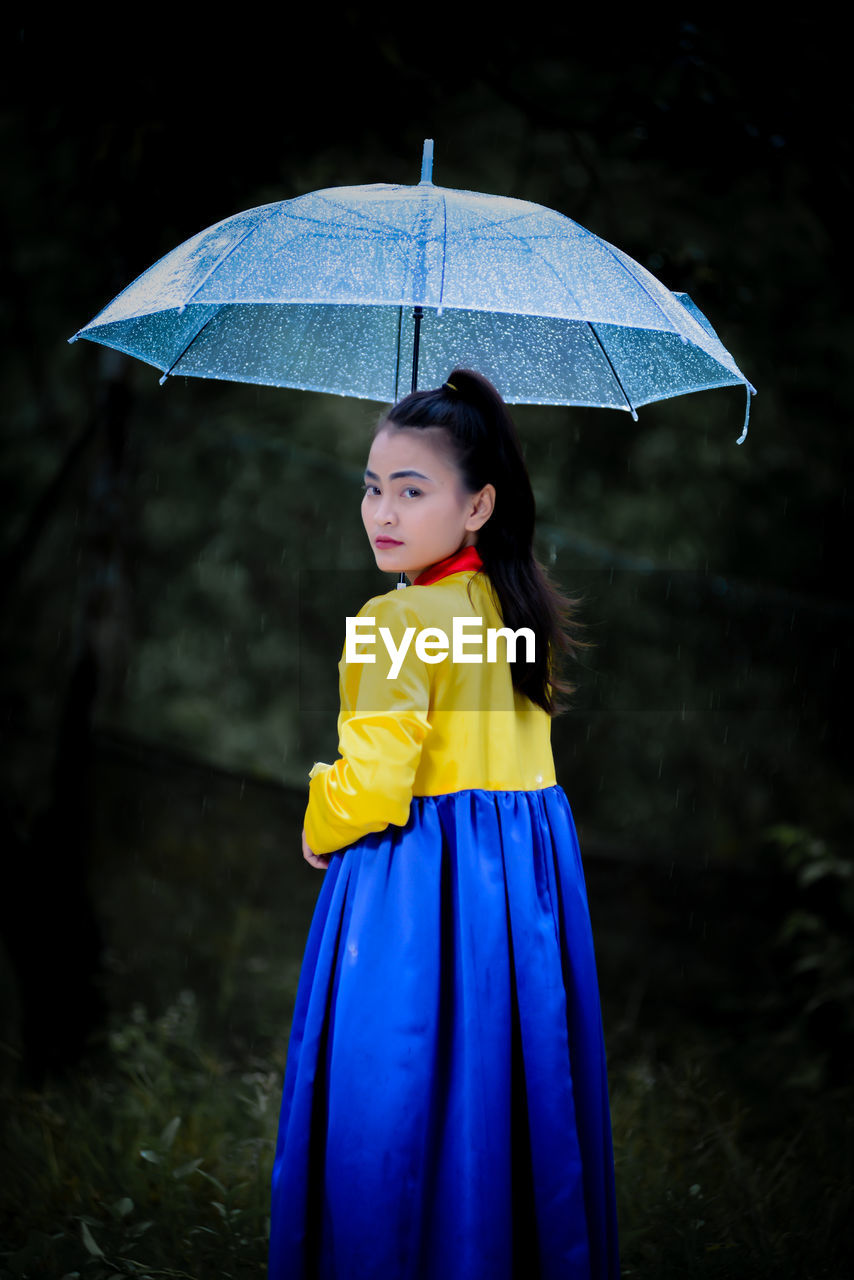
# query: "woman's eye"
412,492
369,488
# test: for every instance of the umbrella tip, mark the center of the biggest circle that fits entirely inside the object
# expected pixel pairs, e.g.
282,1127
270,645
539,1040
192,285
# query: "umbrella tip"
427,161
73,338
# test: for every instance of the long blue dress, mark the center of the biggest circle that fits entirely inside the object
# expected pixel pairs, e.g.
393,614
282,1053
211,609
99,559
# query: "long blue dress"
445,1109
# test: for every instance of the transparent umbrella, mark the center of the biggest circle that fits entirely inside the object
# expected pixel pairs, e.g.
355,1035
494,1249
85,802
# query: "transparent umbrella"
368,290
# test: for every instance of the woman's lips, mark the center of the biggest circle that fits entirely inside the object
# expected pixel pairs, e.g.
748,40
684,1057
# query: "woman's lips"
387,542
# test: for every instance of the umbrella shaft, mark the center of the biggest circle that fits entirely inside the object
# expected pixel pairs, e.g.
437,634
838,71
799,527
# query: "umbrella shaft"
417,314
416,340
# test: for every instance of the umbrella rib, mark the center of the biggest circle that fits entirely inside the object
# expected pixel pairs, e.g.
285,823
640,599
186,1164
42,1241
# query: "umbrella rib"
502,223
225,256
530,246
401,236
618,259
528,243
632,410
444,251
636,280
370,220
181,354
369,223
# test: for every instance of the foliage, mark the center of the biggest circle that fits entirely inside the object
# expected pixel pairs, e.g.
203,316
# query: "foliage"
815,945
711,709
711,1185
732,1139
712,574
155,1161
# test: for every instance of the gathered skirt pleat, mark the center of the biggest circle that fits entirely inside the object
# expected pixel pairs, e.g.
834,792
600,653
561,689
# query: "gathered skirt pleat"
445,1109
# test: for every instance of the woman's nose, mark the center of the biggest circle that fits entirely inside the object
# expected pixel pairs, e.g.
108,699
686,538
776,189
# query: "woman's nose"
386,513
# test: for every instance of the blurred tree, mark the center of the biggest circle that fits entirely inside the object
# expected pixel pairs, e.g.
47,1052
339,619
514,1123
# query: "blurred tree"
716,590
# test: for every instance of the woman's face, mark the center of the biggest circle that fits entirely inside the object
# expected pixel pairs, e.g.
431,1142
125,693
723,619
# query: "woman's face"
415,509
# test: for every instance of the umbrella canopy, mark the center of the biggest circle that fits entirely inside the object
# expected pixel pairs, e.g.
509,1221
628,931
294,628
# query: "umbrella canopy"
349,289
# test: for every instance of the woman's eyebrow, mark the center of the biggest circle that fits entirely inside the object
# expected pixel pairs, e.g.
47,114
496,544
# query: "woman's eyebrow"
396,475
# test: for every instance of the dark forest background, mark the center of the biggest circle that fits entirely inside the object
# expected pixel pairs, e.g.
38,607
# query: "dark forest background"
177,563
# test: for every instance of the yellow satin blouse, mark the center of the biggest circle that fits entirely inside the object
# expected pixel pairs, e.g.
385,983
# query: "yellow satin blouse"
434,728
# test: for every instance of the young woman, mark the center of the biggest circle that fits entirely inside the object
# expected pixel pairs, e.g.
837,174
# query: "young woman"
445,1110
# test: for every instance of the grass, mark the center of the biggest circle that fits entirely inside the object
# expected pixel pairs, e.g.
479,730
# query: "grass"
153,1161
152,1157
712,1185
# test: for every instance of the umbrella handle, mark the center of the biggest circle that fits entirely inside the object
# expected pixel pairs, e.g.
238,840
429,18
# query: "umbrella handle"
750,392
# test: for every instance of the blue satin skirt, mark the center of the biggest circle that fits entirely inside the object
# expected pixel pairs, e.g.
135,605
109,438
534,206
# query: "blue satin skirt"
445,1109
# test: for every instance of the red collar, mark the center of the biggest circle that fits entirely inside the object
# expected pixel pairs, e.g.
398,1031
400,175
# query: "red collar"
465,558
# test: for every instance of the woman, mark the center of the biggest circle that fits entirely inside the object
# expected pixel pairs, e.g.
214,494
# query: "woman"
445,1109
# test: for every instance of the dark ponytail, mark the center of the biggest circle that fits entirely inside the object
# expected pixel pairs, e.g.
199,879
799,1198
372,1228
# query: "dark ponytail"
487,451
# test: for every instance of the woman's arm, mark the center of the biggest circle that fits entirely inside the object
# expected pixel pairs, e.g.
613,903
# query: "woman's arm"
383,723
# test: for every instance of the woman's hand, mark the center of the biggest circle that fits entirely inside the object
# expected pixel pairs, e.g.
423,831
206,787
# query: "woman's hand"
313,859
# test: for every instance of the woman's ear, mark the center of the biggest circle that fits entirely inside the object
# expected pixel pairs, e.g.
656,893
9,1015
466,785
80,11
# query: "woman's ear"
483,505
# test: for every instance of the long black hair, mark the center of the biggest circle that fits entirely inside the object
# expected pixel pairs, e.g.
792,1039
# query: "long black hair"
487,451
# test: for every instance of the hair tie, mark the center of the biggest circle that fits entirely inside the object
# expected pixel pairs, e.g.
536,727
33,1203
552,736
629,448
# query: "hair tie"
449,385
